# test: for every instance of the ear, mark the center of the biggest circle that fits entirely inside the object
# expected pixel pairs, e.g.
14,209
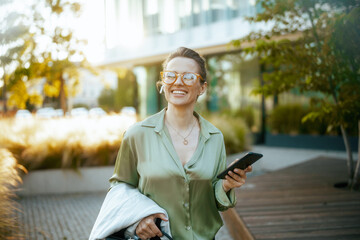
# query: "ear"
203,88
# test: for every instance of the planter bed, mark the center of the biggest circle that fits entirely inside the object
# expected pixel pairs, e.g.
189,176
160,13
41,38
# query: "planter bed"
310,141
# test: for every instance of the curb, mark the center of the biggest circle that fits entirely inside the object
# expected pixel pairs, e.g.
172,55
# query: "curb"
236,225
63,181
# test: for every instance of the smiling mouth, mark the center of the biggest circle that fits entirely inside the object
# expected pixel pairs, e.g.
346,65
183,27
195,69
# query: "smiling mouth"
179,92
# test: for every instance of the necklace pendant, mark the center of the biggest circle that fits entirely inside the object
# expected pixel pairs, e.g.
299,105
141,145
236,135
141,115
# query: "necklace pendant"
185,142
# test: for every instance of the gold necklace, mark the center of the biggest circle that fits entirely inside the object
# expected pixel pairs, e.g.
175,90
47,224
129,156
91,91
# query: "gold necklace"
185,142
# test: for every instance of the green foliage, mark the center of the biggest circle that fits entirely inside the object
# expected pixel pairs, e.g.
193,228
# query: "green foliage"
106,99
323,57
247,114
123,95
236,133
126,88
300,119
35,50
79,105
287,119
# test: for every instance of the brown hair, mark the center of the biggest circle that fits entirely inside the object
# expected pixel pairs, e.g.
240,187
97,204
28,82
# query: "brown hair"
188,53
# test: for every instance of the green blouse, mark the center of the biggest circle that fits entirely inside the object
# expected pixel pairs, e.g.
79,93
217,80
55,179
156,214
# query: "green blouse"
191,194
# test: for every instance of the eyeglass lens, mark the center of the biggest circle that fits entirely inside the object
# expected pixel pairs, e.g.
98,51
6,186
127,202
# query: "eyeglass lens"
188,78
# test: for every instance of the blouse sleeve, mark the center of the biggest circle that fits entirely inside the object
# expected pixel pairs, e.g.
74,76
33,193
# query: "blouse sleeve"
224,200
126,164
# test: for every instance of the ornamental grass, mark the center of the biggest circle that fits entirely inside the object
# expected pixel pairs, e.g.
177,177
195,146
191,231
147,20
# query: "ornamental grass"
9,180
64,142
83,142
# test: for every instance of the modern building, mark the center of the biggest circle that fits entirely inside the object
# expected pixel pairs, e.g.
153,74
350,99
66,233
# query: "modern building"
141,33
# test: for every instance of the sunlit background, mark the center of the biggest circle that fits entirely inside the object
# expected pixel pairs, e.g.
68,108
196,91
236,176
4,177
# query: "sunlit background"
89,25
74,75
108,56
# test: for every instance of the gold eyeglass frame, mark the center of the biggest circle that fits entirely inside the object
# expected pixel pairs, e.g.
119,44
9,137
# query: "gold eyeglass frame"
181,77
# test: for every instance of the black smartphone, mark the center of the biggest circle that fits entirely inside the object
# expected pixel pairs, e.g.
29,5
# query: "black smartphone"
241,163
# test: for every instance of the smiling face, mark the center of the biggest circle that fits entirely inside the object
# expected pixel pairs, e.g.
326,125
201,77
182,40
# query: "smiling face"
179,94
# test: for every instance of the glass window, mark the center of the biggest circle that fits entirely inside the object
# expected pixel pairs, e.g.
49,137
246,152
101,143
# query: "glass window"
151,17
196,13
232,77
151,7
233,7
184,12
217,8
169,22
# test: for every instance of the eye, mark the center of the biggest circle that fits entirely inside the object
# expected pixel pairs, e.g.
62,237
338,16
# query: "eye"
169,75
189,77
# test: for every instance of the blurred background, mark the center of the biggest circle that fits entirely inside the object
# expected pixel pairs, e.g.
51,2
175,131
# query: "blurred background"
75,74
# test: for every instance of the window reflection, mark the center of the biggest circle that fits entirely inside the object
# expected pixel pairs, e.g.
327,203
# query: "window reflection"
155,17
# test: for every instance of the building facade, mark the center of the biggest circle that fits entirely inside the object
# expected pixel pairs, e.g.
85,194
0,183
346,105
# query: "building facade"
141,33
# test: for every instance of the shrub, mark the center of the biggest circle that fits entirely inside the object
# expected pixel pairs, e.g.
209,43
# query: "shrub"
247,114
9,179
287,119
80,105
236,133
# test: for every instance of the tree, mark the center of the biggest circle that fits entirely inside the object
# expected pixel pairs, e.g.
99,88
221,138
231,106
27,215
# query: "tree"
46,49
313,46
15,40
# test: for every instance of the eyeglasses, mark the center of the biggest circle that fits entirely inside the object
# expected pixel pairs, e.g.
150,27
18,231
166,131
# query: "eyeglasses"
169,77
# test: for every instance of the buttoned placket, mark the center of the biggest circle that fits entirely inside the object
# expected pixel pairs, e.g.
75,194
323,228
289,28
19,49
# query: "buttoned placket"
165,138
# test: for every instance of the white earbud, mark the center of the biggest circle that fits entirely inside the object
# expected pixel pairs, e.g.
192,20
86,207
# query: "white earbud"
161,89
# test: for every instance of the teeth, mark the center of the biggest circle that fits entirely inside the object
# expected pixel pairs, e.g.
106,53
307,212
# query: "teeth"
180,92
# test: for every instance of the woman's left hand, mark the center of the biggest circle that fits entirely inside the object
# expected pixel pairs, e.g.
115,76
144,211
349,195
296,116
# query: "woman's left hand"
235,178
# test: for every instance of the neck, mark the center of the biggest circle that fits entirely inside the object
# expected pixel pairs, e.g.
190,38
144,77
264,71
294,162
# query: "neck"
181,118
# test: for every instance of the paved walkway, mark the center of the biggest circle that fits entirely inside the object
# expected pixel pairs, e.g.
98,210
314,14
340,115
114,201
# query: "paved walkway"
60,217
71,216
300,203
65,217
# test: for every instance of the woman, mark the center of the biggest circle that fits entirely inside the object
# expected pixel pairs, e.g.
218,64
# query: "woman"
174,156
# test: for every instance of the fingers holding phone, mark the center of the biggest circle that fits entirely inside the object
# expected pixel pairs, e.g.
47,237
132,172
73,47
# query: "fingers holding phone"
248,169
235,174
242,163
235,178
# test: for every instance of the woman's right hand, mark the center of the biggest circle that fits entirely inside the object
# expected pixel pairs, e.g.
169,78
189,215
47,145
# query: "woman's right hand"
147,228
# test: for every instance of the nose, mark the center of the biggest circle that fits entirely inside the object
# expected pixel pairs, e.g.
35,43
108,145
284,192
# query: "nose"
178,80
